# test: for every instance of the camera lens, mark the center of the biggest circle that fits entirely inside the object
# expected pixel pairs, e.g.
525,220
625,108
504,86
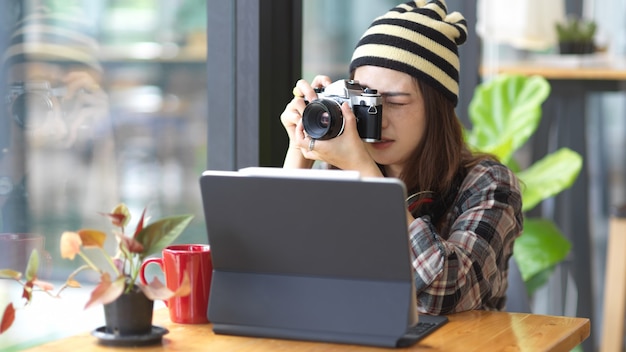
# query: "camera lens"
322,119
30,105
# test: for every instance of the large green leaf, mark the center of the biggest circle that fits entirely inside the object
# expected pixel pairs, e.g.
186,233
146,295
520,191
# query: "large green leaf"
549,176
505,112
540,247
162,233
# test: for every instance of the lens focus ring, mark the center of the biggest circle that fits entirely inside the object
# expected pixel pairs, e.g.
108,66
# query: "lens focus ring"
322,119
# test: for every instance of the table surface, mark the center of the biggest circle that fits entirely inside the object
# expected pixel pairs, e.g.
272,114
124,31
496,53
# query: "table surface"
468,331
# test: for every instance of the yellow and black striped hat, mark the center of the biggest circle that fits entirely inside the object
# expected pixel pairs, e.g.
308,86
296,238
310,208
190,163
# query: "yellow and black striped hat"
419,38
46,36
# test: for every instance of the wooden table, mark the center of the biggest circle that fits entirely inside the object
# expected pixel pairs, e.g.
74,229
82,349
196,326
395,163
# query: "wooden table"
469,331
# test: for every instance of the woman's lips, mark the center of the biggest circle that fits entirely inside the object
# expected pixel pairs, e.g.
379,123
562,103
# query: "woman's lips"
383,144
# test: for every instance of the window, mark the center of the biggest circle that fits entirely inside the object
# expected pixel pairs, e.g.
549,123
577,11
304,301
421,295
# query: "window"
105,102
331,30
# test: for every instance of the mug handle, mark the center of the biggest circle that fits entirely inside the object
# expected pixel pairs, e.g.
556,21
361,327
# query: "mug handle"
144,265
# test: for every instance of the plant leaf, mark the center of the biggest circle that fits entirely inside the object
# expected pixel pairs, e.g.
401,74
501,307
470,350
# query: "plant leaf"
72,283
540,247
107,291
161,233
92,238
70,245
505,112
43,285
157,290
129,245
10,274
27,292
8,317
140,224
120,215
33,265
549,176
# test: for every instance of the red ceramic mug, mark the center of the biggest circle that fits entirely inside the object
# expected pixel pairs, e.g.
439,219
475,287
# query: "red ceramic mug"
196,260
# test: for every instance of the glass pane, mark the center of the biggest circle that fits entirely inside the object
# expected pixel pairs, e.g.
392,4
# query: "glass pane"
105,103
331,30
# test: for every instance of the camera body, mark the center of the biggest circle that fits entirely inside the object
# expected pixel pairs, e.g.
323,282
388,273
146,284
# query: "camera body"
32,98
322,117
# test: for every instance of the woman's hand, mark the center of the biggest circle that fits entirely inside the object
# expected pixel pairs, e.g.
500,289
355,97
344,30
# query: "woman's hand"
346,151
292,114
292,117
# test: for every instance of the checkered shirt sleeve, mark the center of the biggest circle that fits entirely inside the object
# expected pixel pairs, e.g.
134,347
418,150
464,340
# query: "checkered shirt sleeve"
467,267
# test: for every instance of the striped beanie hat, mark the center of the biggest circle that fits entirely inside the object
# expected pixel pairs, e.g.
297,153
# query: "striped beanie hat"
419,38
45,36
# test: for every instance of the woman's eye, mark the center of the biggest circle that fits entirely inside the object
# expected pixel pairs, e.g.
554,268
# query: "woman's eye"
395,103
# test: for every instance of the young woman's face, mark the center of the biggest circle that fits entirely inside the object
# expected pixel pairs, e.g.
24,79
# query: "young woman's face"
404,118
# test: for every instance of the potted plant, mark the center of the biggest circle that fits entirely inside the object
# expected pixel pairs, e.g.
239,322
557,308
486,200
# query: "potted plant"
505,112
118,289
576,36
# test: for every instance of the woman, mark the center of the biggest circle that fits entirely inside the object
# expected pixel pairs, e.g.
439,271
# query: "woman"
464,211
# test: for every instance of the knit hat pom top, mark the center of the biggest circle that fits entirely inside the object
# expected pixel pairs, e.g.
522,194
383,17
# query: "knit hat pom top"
419,38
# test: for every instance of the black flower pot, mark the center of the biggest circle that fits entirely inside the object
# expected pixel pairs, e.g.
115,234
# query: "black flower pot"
129,314
576,47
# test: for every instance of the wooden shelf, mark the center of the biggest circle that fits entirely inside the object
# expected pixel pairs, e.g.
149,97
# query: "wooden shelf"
565,69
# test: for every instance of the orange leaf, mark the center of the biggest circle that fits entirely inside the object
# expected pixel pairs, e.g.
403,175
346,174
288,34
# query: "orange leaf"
92,238
106,291
7,318
10,274
156,290
70,245
44,285
72,283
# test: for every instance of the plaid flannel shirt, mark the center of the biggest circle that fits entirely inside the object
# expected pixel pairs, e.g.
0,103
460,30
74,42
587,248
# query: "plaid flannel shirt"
466,267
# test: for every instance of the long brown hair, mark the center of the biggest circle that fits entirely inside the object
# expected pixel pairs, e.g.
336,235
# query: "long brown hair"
441,160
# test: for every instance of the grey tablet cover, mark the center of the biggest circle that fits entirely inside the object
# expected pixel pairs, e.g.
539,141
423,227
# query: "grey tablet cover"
311,255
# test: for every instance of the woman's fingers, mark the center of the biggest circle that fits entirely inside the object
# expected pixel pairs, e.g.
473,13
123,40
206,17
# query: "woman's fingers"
305,90
321,81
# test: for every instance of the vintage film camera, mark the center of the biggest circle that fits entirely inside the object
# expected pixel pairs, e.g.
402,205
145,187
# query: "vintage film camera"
322,117
32,98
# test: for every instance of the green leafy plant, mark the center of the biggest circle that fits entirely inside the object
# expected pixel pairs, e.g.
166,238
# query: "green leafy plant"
575,29
576,35
505,113
30,283
118,274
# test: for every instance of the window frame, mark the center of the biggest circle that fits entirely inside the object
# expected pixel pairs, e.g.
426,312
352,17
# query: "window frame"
252,65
